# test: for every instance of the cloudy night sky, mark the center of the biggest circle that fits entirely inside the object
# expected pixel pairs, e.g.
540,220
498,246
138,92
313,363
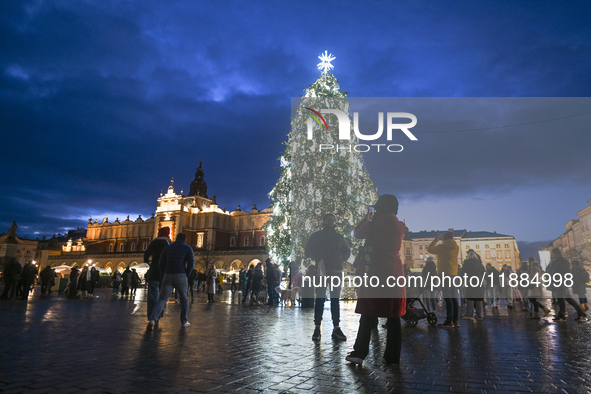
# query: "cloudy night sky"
103,102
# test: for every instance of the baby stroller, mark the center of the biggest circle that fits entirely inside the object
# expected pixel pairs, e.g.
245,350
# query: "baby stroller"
413,315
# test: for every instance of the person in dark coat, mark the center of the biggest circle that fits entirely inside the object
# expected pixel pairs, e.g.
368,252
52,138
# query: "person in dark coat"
241,280
560,265
94,277
73,283
329,250
384,233
84,281
176,264
47,275
152,258
127,278
271,281
135,281
12,274
28,279
248,277
257,282
473,268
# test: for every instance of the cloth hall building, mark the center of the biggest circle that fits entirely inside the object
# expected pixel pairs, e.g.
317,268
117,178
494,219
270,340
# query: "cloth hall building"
231,240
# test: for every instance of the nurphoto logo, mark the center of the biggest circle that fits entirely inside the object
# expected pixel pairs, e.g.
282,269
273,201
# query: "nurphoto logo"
344,129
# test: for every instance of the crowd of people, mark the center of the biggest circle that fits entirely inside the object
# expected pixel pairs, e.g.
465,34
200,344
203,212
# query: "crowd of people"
172,268
493,291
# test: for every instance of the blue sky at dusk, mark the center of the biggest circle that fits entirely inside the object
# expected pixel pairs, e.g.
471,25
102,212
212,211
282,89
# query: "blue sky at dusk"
103,102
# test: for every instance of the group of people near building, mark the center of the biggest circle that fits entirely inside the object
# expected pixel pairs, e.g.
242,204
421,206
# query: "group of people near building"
18,280
81,284
125,283
528,291
383,233
171,268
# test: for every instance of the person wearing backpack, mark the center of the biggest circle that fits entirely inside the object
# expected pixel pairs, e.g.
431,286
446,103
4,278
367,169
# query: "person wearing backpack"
580,279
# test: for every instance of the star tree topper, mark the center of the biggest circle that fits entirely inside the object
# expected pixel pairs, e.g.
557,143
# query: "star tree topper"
325,60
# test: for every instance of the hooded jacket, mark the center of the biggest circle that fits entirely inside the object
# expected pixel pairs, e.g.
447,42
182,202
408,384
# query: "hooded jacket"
447,256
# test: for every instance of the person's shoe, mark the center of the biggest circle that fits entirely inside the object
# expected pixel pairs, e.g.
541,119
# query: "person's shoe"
467,317
509,306
535,316
446,324
479,318
456,323
354,360
186,324
546,312
559,318
338,335
316,335
151,325
582,317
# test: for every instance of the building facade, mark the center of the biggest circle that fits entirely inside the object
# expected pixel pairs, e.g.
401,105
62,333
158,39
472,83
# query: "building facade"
493,248
13,247
575,242
231,240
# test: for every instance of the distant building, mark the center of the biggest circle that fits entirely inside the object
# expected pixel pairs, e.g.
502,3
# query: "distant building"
575,242
14,247
231,239
497,249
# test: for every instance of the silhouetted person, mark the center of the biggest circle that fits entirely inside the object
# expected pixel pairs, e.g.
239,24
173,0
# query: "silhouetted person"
176,265
154,275
329,250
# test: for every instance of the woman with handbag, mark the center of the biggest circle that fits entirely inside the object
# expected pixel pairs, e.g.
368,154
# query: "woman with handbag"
384,234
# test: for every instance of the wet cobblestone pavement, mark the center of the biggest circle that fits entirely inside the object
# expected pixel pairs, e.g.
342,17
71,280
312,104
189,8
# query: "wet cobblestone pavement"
56,344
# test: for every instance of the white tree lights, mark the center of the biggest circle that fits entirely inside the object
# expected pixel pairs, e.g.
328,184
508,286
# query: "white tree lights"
313,183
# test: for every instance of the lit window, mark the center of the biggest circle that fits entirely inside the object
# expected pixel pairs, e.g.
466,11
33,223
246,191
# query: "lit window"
199,240
507,255
498,246
486,246
467,246
507,246
421,255
477,246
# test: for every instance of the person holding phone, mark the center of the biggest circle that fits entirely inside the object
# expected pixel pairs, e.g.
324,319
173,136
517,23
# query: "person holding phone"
383,233
447,264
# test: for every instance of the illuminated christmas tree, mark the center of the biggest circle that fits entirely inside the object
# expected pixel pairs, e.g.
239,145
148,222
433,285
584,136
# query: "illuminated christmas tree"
314,182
